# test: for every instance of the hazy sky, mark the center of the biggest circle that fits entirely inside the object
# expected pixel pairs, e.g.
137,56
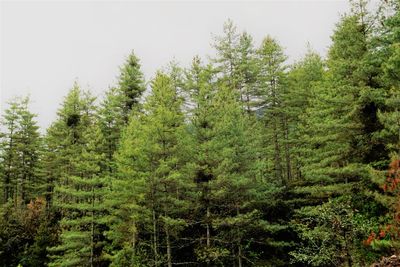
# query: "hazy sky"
45,46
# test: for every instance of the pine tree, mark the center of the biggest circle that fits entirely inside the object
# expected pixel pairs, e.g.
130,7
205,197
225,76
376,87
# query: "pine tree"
151,180
248,71
228,173
131,84
236,62
20,146
333,126
302,78
29,147
387,54
126,190
64,139
71,163
82,207
227,54
234,189
271,91
200,83
111,122
339,123
9,152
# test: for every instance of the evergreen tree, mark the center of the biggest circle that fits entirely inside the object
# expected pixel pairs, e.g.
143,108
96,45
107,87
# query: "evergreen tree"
271,91
302,78
82,207
227,54
131,84
236,62
247,71
9,152
71,167
236,187
200,83
64,139
111,122
333,127
20,146
152,180
339,124
387,54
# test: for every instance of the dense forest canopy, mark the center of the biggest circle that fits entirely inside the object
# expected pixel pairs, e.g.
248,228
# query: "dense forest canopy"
241,160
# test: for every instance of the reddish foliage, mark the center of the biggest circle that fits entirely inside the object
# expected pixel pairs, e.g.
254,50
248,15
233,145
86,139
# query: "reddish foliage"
370,238
393,178
33,214
391,185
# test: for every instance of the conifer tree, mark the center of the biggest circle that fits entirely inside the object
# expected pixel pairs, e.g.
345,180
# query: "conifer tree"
234,189
151,180
20,146
131,84
387,54
334,126
72,163
247,71
64,139
227,170
302,78
236,62
9,152
29,146
339,123
111,122
227,54
271,91
82,207
200,83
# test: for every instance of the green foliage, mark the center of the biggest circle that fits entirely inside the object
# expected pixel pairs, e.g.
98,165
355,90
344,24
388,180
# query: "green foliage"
153,181
271,93
244,161
332,234
81,203
20,144
111,123
25,232
236,61
131,85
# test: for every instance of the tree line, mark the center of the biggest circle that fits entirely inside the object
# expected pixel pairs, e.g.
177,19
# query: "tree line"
242,160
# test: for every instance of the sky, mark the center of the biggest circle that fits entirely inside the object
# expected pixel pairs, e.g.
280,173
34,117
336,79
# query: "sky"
46,46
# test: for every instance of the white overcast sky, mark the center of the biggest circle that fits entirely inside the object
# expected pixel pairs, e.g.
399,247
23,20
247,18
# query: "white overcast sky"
46,46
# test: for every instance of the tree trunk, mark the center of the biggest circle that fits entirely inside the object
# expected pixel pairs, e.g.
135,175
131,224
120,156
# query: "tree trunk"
239,242
239,255
8,186
275,118
277,154
208,228
287,151
155,238
134,239
169,256
92,232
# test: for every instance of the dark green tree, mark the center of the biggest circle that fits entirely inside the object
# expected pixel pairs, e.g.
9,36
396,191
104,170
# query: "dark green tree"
131,84
338,148
81,197
271,92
